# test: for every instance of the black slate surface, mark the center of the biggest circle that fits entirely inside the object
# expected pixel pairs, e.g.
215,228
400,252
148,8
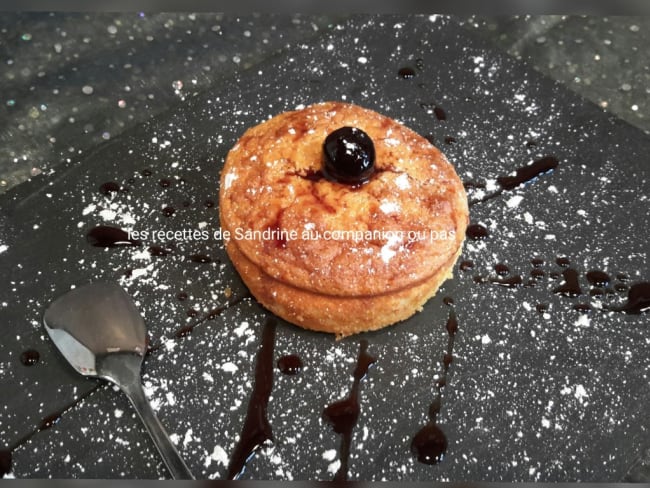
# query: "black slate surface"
556,396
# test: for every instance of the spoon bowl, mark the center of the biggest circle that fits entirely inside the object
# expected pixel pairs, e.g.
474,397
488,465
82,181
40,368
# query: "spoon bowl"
100,332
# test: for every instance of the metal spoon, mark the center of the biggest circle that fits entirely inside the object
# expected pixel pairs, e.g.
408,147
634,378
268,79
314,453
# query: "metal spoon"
100,332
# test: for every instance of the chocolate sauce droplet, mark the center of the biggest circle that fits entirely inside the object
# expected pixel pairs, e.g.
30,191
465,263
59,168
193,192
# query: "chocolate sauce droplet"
168,211
452,325
597,292
257,429
570,287
158,251
184,331
343,414
537,273
582,307
537,262
406,72
30,357
622,277
541,307
146,172
192,312
510,282
440,113
448,301
638,299
598,278
181,296
563,262
209,203
466,265
620,287
50,420
477,232
290,364
109,187
501,269
108,236
200,258
450,140
165,183
5,462
430,444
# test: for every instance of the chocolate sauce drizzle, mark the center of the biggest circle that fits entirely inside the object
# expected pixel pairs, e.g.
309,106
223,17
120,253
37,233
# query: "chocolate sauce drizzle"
523,175
429,445
638,294
257,429
343,414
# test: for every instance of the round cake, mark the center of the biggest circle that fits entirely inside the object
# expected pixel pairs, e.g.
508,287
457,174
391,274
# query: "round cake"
340,219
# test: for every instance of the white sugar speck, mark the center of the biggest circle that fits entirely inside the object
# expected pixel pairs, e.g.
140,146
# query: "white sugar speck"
514,201
486,339
230,177
402,182
389,207
219,455
118,413
329,455
334,467
229,367
580,393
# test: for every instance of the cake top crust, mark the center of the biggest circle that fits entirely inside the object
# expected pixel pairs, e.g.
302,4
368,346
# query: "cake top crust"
312,232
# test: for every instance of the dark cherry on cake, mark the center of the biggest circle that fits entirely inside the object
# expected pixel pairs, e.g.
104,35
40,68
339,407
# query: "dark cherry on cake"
349,156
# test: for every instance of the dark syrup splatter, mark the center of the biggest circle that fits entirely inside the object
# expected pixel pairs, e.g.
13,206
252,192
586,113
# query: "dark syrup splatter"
477,232
290,364
200,258
256,430
30,357
523,175
571,286
108,236
466,265
598,278
429,445
406,72
343,415
528,173
5,462
638,299
109,187
159,251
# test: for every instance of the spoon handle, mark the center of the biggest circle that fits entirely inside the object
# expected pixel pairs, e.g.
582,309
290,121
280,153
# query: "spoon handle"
168,452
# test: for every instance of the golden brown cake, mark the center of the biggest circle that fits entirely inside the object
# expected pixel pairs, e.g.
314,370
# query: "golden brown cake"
334,255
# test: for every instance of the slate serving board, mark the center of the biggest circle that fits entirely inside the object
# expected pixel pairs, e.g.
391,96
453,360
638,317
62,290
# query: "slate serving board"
554,396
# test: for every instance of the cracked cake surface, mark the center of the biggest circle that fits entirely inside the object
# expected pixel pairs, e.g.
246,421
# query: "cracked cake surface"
293,226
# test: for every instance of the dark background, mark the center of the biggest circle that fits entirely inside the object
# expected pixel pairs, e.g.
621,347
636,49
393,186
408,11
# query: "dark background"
71,81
